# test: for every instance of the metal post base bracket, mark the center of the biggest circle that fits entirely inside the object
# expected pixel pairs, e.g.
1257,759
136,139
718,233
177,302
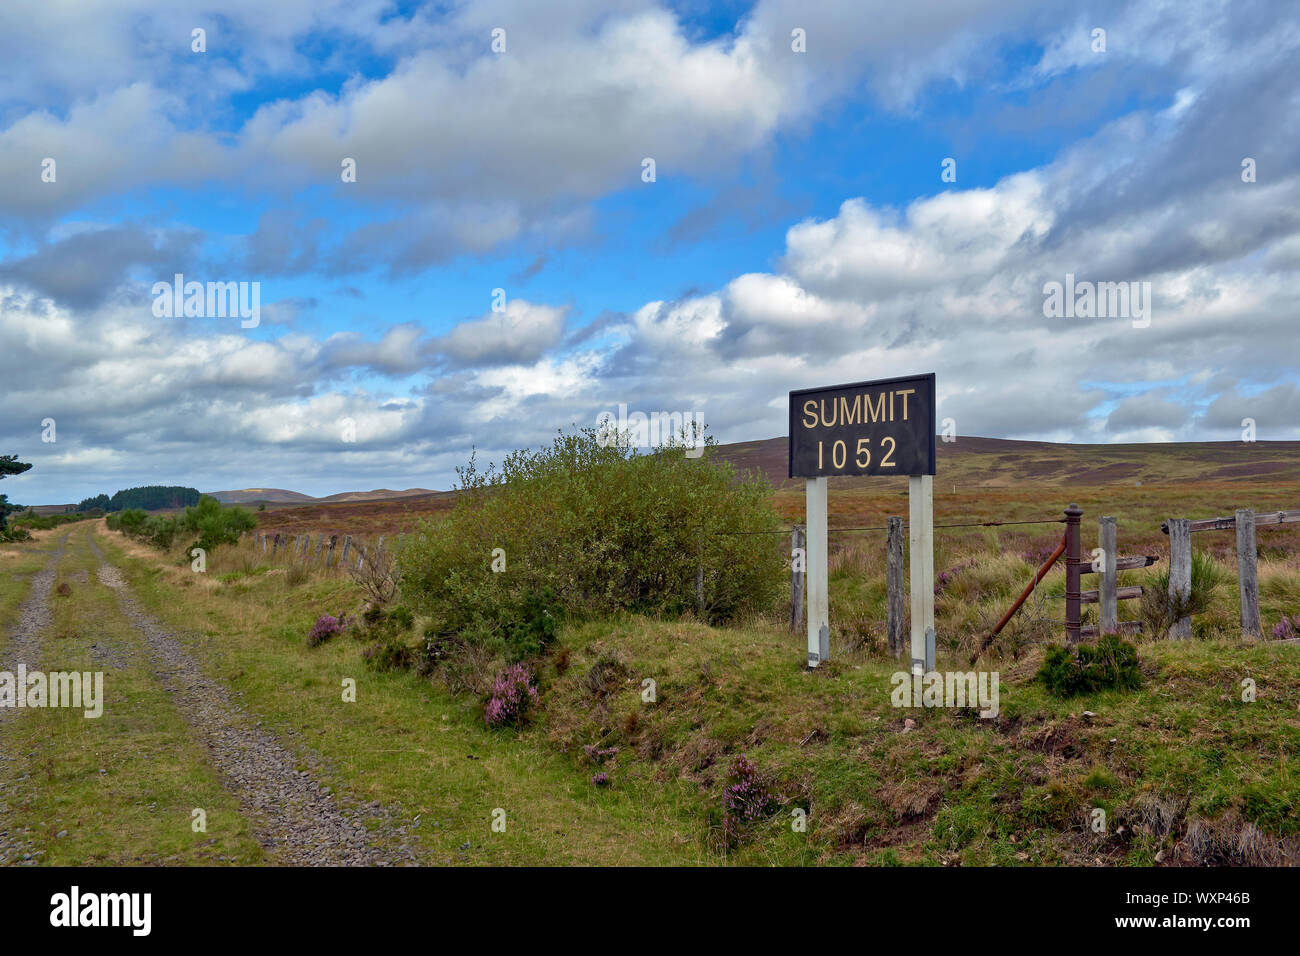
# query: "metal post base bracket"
823,652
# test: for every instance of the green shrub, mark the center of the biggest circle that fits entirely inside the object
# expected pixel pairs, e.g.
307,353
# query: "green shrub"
33,521
591,526
390,654
390,634
1109,664
216,525
129,521
532,628
160,531
213,524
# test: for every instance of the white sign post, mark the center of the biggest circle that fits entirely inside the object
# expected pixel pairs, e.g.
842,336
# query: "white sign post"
883,427
818,594
920,547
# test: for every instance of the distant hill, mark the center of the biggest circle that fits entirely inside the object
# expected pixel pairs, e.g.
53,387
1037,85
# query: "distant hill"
283,496
968,461
379,494
52,509
1003,463
253,495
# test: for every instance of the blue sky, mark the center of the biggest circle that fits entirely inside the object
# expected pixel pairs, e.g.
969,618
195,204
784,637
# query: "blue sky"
797,232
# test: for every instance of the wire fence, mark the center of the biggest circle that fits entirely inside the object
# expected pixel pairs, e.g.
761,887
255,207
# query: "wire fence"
969,524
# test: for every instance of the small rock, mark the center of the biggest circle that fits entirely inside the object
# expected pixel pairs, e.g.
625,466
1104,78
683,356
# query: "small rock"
908,724
61,833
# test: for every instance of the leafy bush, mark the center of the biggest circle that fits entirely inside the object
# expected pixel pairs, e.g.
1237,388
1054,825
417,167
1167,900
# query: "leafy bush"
588,525
33,521
129,521
1109,664
216,525
532,628
213,524
512,697
160,531
389,631
390,655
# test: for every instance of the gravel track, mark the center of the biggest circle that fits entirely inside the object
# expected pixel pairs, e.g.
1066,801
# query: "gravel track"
297,820
23,647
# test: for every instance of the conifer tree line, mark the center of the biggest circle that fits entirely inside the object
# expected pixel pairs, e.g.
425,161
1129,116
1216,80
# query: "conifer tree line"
146,497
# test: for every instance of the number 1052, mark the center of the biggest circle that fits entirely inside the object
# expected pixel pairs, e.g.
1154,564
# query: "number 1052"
861,457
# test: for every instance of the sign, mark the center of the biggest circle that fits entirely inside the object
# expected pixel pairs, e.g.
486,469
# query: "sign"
885,427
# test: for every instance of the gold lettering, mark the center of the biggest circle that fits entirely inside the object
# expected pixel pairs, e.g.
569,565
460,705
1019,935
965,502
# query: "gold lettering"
906,392
810,408
828,422
847,416
878,413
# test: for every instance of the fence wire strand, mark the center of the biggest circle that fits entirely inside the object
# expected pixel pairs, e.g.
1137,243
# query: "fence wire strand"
971,524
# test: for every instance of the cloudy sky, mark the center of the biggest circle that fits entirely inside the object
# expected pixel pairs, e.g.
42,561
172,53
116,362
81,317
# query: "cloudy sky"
796,228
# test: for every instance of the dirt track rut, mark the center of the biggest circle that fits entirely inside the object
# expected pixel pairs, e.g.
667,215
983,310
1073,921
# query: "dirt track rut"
23,647
297,820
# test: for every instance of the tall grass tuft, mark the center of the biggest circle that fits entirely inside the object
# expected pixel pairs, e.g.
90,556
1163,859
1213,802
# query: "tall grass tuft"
1159,610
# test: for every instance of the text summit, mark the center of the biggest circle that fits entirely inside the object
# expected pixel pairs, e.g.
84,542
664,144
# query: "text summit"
883,406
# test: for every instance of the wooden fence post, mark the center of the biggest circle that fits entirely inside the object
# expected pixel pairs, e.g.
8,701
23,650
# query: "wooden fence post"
1072,594
1248,572
1180,571
798,578
264,544
306,540
361,556
329,558
347,543
379,548
320,543
897,618
1106,538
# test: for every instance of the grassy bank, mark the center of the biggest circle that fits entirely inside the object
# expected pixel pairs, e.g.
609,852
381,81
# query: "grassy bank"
1184,769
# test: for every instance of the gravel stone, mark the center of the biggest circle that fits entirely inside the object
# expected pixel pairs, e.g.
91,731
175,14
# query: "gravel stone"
297,820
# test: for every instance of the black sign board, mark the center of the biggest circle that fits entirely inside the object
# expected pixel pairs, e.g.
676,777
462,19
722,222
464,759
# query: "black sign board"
867,428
